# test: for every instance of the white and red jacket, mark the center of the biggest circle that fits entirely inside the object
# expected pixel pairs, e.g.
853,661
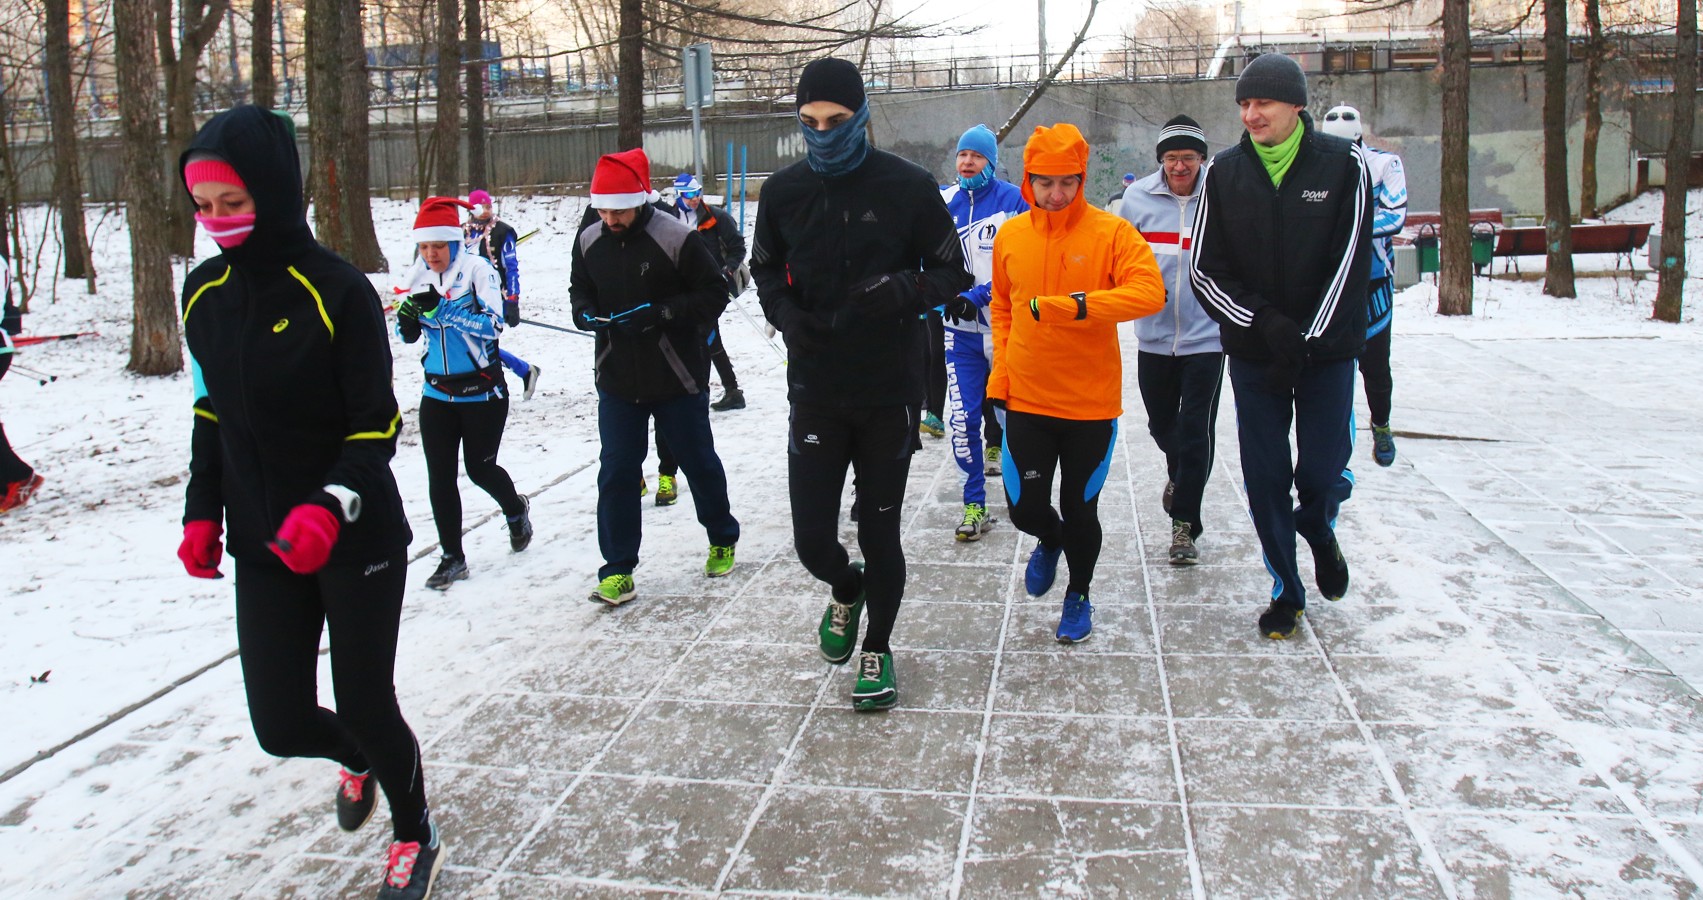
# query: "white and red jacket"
1167,222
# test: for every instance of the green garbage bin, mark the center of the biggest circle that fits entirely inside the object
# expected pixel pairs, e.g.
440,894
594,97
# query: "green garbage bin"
1483,246
1428,256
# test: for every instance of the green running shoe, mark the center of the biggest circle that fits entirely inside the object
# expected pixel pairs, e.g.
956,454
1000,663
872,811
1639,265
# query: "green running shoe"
877,684
837,635
666,494
932,426
720,562
614,590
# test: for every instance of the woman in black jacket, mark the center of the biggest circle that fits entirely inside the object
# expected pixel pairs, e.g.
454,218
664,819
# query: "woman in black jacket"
295,424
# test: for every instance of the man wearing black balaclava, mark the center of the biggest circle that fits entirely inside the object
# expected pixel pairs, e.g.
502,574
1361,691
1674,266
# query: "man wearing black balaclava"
853,246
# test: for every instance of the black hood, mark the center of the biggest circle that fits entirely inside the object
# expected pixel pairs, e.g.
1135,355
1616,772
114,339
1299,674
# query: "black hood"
261,146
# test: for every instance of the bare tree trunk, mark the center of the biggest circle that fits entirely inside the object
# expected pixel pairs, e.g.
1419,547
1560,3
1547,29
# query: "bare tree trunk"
1454,289
1593,111
199,25
449,99
630,87
1671,288
154,348
67,162
1047,79
353,160
1557,207
478,170
264,89
321,43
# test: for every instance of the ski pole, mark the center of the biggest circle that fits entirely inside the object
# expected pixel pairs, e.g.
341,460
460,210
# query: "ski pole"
766,335
41,378
522,239
558,328
32,339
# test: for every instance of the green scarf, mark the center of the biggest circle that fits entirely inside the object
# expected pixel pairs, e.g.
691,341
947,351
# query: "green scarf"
1278,159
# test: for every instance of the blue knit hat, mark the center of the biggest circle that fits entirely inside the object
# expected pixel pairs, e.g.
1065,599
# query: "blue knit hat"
980,139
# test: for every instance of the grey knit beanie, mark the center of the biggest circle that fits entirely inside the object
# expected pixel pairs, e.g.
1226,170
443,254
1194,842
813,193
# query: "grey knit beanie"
1272,76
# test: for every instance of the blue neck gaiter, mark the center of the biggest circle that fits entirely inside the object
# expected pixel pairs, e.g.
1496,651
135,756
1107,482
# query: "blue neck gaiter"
840,149
982,179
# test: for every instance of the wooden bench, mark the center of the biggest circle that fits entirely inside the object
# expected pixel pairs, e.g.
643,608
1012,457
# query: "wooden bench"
1618,238
1417,220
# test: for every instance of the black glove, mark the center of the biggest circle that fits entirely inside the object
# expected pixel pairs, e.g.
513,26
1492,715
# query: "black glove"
804,333
426,301
961,309
511,312
889,295
1288,347
997,402
409,327
642,318
589,322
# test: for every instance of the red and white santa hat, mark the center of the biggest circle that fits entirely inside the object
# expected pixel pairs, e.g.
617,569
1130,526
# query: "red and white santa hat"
439,220
621,181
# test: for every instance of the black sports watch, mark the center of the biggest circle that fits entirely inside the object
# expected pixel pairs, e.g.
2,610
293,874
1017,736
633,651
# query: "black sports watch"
1081,299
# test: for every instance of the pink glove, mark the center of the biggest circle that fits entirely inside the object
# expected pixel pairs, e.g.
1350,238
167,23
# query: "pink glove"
201,550
305,539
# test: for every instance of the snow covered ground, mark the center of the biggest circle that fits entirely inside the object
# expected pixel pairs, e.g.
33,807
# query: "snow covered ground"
1506,704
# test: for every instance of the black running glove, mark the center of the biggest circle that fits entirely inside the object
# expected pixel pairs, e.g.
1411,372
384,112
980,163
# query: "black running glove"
1288,347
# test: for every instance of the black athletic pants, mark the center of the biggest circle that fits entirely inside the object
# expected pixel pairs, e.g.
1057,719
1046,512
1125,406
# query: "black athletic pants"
1080,452
280,616
1375,372
445,428
935,398
12,468
876,443
723,365
1181,396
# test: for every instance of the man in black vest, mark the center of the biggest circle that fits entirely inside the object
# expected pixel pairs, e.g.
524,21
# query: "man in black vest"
1282,261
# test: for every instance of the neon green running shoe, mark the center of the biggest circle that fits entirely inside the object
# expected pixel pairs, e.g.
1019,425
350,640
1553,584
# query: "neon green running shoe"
720,562
614,590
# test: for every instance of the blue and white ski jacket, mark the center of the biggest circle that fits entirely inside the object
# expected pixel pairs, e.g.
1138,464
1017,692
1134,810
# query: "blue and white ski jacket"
461,338
978,215
1389,214
1166,220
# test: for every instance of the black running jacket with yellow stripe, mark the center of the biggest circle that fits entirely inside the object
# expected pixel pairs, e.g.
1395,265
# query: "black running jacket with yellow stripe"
292,369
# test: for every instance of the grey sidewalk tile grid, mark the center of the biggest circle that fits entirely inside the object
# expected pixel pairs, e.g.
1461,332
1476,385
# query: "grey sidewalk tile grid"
1466,723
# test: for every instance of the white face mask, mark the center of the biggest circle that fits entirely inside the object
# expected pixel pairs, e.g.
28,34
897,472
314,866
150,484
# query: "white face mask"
1342,121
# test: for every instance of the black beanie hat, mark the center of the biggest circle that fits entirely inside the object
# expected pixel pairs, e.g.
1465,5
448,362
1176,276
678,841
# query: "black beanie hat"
1181,133
834,80
1272,76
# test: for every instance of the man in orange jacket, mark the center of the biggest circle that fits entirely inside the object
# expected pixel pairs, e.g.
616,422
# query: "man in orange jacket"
1064,275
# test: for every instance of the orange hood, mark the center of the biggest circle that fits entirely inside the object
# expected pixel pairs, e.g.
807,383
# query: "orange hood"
1059,150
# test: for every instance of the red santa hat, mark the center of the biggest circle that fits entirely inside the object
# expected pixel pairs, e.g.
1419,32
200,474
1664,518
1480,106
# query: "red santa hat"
621,181
439,220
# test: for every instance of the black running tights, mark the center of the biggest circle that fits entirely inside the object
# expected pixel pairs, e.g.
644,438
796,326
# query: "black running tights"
1080,452
279,619
445,428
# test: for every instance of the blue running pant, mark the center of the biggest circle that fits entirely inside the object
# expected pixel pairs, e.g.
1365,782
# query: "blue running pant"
515,364
969,359
1321,408
622,426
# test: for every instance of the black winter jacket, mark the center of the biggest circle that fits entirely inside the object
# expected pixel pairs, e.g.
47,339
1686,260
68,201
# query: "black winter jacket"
816,237
293,367
658,260
1304,247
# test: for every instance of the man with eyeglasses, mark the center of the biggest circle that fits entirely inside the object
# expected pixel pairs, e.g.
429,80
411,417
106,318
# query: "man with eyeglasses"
1280,261
1389,214
1180,366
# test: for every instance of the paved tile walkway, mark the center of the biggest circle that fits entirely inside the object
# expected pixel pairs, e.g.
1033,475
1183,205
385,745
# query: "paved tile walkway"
1492,712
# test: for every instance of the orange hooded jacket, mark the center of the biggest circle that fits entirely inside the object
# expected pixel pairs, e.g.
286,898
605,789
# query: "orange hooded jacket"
1058,358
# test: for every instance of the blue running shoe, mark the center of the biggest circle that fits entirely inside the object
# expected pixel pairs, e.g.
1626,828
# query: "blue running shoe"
1043,567
1383,445
1077,622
